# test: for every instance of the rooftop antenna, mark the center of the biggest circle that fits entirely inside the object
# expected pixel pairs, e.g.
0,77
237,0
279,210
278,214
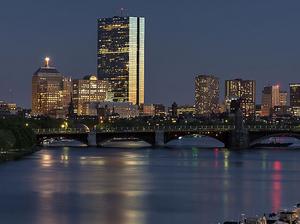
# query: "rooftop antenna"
123,12
47,60
11,95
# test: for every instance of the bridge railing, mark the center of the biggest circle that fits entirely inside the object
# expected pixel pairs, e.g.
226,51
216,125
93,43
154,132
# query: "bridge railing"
272,128
168,128
174,128
60,131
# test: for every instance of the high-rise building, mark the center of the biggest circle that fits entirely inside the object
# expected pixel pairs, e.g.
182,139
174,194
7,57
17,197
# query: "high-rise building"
270,99
245,91
207,91
295,98
51,92
283,95
120,52
86,91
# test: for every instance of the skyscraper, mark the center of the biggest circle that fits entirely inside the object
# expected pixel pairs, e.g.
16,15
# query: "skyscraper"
270,99
51,92
121,57
207,91
245,90
295,98
283,95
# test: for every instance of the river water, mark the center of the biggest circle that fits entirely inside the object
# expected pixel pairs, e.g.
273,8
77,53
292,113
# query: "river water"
155,186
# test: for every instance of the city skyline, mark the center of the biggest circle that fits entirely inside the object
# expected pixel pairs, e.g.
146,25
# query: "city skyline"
266,55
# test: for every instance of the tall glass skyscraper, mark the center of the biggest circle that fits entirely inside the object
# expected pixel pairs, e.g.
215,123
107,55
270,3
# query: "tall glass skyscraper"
121,42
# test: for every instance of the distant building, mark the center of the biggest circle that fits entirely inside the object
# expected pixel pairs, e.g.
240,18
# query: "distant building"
186,110
270,99
117,109
86,91
8,108
228,103
160,110
207,91
148,110
121,43
51,93
282,111
295,98
153,110
258,111
173,110
245,90
283,98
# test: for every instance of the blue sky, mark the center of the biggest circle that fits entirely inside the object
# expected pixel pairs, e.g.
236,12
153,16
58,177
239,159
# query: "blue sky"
256,39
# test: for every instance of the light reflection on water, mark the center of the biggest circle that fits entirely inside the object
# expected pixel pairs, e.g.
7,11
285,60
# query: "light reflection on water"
147,186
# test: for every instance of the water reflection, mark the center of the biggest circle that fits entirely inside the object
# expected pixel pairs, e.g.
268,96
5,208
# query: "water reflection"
146,186
276,186
46,160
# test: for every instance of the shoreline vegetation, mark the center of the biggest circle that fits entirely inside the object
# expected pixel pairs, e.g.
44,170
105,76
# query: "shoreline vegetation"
16,140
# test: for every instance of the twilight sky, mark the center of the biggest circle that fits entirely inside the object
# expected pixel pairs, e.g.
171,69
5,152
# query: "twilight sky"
257,39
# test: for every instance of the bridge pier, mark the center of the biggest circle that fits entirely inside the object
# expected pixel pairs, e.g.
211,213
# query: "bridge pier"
240,135
159,138
239,139
92,138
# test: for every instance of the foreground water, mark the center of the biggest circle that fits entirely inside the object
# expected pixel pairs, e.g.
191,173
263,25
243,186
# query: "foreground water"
109,186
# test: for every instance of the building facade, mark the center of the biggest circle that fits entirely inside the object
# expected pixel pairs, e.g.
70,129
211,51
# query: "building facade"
120,52
245,91
270,99
86,91
51,93
283,98
207,92
116,109
295,98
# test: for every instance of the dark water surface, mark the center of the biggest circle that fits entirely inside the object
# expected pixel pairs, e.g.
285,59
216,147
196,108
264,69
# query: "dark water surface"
156,186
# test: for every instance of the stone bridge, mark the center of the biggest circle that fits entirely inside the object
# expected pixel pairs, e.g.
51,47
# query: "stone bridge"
231,136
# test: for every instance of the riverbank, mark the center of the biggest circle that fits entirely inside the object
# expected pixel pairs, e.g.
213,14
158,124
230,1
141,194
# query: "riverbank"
16,140
16,154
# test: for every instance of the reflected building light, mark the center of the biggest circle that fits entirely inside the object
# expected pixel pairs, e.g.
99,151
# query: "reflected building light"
46,160
226,159
277,166
276,186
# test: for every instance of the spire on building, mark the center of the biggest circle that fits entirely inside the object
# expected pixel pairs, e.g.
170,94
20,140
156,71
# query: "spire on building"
47,60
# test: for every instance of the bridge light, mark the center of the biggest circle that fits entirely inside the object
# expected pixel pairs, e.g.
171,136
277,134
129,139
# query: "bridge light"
26,125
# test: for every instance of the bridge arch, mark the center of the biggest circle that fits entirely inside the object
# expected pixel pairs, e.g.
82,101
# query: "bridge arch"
222,137
273,137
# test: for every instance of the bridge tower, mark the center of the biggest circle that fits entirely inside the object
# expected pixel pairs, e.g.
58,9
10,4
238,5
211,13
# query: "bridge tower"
240,134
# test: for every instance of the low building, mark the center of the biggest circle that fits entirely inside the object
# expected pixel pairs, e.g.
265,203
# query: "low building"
282,111
87,91
153,110
8,108
117,109
148,110
186,110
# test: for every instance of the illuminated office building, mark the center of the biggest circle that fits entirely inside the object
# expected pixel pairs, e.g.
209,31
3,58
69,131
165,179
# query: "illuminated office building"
245,91
207,91
51,93
270,99
86,91
121,57
283,96
295,98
